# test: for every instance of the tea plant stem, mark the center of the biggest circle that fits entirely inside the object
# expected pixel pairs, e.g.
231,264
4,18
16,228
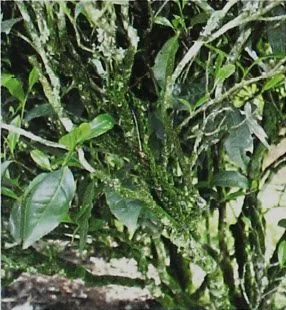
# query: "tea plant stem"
207,36
31,136
279,68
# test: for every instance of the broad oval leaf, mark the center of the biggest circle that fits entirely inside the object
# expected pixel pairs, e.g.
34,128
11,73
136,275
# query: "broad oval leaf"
164,62
16,216
41,110
77,135
282,254
41,159
46,202
161,20
230,179
125,210
100,125
86,131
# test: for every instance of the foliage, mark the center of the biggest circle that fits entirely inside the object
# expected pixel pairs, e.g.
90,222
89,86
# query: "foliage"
135,127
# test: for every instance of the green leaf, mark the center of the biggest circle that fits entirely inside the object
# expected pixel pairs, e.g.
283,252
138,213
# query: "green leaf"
86,131
41,159
282,254
125,210
8,24
15,222
200,18
282,223
13,138
9,193
224,72
13,85
77,135
164,62
84,214
274,81
254,127
45,203
4,167
100,125
41,110
160,20
239,140
33,77
201,101
230,179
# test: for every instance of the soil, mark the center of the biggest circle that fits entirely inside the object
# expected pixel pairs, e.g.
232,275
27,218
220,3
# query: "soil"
39,292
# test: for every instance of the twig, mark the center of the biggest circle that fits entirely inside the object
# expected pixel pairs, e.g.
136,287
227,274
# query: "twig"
207,36
161,8
271,19
276,70
53,95
31,136
84,162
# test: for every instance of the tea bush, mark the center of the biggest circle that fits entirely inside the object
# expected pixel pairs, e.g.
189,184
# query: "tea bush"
134,129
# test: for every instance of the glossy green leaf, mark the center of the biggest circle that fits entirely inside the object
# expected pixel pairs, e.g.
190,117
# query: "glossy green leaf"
282,254
13,85
33,77
86,131
230,179
164,62
161,20
125,210
274,81
77,135
41,159
45,203
7,25
13,138
201,101
224,72
100,125
200,18
5,191
239,140
41,110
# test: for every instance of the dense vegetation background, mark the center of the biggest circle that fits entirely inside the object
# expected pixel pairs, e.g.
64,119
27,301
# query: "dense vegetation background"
142,129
